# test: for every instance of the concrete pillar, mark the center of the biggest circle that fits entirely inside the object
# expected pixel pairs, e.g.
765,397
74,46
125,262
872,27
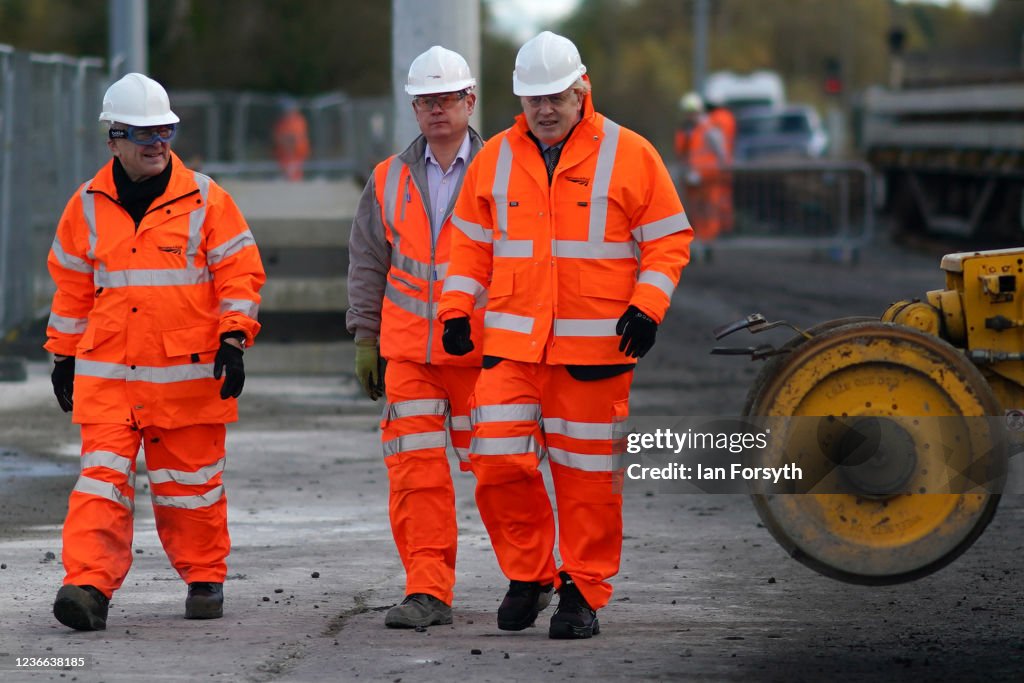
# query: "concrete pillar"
418,25
128,49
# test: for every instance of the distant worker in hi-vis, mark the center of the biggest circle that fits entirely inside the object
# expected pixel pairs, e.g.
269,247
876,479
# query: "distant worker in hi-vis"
702,150
570,228
398,258
158,280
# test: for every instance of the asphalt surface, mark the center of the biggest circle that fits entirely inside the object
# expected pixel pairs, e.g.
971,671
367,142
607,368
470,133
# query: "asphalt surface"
704,593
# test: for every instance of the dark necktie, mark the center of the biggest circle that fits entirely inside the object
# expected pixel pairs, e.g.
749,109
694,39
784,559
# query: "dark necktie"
551,155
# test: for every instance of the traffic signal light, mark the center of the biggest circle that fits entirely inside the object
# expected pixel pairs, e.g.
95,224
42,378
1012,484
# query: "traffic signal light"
833,77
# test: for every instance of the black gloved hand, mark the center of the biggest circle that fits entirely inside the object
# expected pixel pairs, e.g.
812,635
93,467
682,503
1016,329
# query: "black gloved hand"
229,363
638,331
455,338
63,378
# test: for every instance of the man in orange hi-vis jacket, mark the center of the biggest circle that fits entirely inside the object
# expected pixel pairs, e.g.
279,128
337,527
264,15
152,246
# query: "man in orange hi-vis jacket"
701,148
398,256
550,218
158,280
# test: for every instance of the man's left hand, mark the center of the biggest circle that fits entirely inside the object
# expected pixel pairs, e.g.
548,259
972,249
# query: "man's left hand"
228,362
638,331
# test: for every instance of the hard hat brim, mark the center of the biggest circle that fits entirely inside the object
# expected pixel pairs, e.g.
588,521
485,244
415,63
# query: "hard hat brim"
521,89
158,120
458,86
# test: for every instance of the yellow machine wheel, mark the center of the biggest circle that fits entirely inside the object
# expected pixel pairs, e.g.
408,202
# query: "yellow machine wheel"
919,491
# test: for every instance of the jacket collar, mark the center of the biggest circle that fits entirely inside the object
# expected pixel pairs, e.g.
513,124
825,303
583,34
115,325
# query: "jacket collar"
413,156
182,181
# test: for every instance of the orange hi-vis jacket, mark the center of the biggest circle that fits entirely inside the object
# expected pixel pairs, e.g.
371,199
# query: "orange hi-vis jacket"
394,285
559,262
142,310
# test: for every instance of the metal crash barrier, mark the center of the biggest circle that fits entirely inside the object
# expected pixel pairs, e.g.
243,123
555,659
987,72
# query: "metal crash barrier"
825,207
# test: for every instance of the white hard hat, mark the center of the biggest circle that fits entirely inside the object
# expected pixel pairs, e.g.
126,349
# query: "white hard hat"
691,101
137,100
438,70
546,64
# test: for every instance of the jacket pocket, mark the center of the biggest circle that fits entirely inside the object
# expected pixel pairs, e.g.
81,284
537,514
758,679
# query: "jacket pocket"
186,341
502,284
604,285
93,337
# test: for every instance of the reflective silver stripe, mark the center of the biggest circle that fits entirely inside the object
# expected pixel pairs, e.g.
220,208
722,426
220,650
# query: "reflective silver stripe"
95,368
602,180
473,231
151,278
504,445
415,442
461,283
579,327
391,190
68,261
89,213
579,430
423,406
111,461
140,373
103,489
202,500
409,303
585,461
499,191
659,280
461,423
508,321
462,453
67,325
507,412
513,248
660,228
230,248
409,265
197,478
197,218
249,309
593,250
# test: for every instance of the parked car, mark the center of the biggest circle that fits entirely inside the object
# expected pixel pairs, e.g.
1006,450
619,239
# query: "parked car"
790,131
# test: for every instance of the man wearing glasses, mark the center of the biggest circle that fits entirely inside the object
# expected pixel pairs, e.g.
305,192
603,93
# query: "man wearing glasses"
552,214
398,258
158,281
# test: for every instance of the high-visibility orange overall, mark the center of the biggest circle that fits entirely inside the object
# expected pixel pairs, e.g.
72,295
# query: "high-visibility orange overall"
396,270
725,121
291,144
702,153
142,310
562,267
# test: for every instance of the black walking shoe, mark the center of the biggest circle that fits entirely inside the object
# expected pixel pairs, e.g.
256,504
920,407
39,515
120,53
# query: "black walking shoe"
205,600
83,608
418,610
523,602
573,617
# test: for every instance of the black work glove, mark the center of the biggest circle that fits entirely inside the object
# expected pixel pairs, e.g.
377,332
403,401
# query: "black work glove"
229,363
455,338
63,378
638,330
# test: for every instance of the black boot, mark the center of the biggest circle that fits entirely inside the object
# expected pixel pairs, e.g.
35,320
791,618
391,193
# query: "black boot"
205,600
83,608
523,602
573,618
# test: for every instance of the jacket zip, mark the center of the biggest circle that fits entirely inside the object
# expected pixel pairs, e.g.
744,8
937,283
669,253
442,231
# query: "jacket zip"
432,275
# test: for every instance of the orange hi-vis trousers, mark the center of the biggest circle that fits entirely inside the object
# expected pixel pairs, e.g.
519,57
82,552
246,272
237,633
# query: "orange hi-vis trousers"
185,466
426,404
520,412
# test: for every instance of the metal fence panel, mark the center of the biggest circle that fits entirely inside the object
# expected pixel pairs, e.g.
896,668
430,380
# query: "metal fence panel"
825,206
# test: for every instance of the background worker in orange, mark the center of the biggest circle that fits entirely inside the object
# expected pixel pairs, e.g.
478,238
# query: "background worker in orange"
398,258
291,140
550,215
723,119
158,281
701,149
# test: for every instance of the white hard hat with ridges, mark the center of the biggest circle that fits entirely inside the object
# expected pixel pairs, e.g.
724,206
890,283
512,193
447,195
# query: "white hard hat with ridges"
546,64
137,100
438,70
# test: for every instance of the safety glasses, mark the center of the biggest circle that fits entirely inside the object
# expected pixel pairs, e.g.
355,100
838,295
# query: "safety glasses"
447,101
145,135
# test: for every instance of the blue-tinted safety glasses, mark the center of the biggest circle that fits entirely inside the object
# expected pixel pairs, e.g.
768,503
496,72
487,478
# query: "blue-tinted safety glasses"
145,135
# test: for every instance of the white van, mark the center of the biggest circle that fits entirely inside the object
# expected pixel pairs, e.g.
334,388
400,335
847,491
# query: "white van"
738,92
